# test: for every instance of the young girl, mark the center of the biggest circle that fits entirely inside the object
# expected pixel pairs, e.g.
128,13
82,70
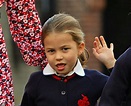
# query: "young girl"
64,81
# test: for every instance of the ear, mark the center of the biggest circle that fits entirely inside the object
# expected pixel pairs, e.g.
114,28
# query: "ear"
81,48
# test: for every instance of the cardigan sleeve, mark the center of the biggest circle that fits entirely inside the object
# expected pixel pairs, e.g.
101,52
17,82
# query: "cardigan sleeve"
30,92
26,31
6,83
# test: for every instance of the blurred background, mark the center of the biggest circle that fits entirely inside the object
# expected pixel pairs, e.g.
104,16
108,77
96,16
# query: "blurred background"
109,18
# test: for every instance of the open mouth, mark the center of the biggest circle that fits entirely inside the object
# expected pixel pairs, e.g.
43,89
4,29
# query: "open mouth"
60,67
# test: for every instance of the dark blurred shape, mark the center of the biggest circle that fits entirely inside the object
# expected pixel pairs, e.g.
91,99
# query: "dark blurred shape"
117,24
46,9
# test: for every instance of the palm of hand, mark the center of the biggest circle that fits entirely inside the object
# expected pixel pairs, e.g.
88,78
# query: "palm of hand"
103,53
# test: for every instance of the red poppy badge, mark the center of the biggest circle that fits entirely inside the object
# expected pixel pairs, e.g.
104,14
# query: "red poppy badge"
84,101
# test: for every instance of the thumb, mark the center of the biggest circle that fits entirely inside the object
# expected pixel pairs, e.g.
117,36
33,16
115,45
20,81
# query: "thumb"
94,52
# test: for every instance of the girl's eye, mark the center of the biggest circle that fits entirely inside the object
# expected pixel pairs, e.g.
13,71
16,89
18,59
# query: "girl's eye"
65,49
51,51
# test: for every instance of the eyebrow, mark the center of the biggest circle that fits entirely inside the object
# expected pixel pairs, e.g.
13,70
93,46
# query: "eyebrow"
60,47
67,46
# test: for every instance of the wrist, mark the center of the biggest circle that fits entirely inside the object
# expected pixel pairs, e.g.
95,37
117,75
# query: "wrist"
110,64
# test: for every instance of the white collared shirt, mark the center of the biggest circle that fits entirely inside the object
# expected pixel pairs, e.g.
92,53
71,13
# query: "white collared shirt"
48,70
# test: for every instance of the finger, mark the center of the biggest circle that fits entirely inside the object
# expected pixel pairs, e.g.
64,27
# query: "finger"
96,45
112,46
103,41
98,42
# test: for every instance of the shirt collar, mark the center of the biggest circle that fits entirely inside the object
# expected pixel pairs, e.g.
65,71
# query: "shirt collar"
48,70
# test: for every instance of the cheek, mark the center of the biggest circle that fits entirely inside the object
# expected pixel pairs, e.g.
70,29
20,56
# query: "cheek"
51,61
72,56
72,59
49,58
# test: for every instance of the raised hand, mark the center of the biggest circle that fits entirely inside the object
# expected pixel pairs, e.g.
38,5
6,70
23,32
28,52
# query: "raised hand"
103,53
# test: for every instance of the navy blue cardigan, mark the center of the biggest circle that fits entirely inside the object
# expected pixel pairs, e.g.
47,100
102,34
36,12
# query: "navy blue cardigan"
44,90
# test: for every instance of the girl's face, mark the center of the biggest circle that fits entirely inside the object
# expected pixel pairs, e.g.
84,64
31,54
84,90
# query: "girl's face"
62,52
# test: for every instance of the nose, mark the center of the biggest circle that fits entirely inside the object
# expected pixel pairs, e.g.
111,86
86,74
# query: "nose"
59,56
